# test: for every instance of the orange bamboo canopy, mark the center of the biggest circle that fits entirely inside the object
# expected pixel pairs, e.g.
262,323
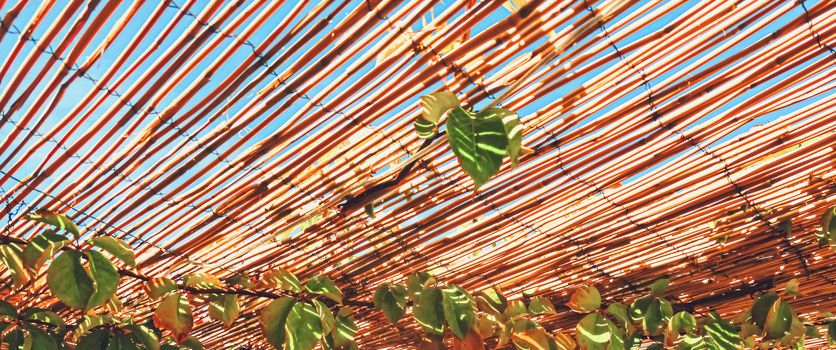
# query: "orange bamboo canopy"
670,138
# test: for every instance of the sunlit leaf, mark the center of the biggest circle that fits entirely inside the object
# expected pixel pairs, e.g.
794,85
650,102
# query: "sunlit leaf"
429,311
639,307
143,335
459,310
516,308
46,317
391,299
778,320
175,314
157,287
325,316
203,280
324,286
105,278
416,282
56,219
117,248
304,327
514,130
534,339
761,306
792,287
478,140
224,308
68,280
435,104
280,279
37,339
344,332
682,321
491,301
11,254
274,318
42,248
585,299
659,286
89,322
593,332
564,341
541,306
721,333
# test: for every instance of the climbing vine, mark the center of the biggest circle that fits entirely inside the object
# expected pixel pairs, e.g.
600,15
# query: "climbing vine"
305,314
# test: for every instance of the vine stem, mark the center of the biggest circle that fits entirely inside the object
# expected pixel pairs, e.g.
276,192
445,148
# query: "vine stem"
261,293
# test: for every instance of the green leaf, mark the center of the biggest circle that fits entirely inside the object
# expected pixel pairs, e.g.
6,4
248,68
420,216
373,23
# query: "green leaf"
274,318
224,308
792,287
44,316
424,128
428,310
619,310
391,299
721,333
344,332
203,280
682,321
533,339
105,278
281,279
416,282
325,316
516,308
97,339
514,129
491,301
61,221
812,332
117,248
778,320
159,286
90,322
11,255
120,341
191,343
68,280
42,248
435,104
585,299
593,332
659,286
478,141
304,328
459,310
639,307
656,316
831,331
175,314
541,306
38,339
143,335
324,286
761,306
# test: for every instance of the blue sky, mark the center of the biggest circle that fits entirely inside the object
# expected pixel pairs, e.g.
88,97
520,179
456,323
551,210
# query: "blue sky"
80,87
